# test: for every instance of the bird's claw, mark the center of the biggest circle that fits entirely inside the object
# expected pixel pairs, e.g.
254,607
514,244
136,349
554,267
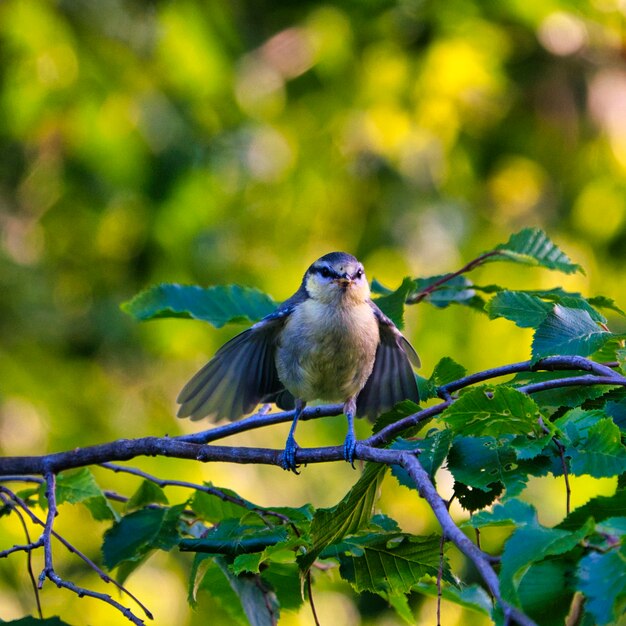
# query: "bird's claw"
288,459
349,447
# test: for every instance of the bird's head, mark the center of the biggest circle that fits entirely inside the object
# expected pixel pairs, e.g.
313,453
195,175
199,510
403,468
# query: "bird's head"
337,277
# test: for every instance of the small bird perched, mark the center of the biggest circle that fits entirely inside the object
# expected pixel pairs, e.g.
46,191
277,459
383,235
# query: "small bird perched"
329,341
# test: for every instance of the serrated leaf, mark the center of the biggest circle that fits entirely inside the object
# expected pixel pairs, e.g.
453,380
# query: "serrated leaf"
432,451
347,517
391,566
447,371
140,532
566,396
399,411
232,538
603,302
455,290
392,304
80,486
218,305
601,578
530,544
493,411
483,462
621,359
399,602
513,511
472,597
525,310
601,454
147,493
531,246
285,580
567,331
598,508
212,508
546,584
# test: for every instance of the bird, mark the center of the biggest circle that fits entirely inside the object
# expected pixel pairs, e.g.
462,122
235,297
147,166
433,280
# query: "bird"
329,342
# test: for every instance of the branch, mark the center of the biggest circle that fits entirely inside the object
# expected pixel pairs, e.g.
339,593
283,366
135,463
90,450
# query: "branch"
48,571
426,489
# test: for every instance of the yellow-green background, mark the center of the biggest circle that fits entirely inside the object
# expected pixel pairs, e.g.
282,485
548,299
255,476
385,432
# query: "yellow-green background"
235,142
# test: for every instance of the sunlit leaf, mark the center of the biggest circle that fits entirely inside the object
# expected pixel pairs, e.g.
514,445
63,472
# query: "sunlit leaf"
348,516
217,305
524,310
492,411
392,304
446,371
567,331
531,246
393,563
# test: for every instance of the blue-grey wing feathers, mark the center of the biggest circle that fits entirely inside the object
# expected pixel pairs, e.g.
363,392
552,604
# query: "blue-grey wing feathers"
241,375
392,379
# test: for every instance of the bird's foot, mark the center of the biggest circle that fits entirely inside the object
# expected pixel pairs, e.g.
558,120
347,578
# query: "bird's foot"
349,446
288,460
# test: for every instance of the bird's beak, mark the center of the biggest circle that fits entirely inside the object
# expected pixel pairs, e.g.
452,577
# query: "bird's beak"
344,280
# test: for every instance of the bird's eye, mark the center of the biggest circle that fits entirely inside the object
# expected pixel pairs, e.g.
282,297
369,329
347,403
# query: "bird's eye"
359,274
325,272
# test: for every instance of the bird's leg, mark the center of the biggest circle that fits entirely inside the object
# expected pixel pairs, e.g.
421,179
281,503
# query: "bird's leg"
349,445
288,462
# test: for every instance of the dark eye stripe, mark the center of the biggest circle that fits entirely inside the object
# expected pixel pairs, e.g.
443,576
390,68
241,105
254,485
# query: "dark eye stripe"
323,270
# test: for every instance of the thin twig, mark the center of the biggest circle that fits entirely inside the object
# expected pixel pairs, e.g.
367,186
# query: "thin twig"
309,588
214,491
423,293
71,548
28,549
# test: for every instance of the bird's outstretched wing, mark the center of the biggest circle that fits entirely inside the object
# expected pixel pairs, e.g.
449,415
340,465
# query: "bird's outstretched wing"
242,373
392,379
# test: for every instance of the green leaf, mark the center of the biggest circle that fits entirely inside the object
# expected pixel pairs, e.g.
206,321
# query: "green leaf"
347,517
147,493
621,359
217,305
392,304
455,290
258,601
232,538
285,580
80,486
392,564
601,578
140,532
513,511
494,411
599,508
212,508
530,544
602,454
483,462
525,310
531,246
399,411
472,597
566,396
208,577
567,331
602,302
447,371
546,584
432,451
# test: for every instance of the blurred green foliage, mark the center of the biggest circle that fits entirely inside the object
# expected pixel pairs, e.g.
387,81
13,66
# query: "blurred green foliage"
217,142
